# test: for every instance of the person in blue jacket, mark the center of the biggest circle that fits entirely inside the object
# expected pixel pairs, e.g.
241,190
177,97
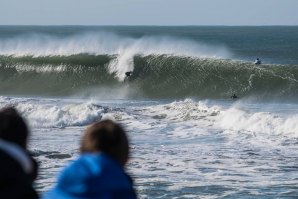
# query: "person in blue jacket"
99,170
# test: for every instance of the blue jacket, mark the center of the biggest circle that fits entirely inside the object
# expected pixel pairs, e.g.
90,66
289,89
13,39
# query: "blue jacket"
93,176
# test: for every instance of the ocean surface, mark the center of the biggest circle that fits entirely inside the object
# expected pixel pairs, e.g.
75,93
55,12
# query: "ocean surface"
189,139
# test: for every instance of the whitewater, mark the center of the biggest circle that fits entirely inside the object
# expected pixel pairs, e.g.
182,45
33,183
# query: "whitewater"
189,139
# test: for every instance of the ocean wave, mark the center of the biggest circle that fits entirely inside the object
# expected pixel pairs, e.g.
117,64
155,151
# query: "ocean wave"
230,120
104,43
154,76
237,120
49,114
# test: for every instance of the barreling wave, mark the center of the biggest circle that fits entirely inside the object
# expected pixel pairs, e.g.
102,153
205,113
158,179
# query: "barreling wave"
154,76
92,48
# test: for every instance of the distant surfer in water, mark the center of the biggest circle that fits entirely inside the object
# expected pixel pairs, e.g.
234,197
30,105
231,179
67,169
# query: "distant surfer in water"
234,96
258,61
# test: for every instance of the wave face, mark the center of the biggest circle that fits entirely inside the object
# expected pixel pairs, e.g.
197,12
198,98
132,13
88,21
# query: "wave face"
154,76
95,63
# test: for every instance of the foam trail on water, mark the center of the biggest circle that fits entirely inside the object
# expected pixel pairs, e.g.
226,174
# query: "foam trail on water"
100,43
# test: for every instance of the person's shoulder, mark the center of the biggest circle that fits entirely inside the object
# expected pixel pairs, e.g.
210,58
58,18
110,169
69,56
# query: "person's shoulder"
12,174
83,167
11,166
95,174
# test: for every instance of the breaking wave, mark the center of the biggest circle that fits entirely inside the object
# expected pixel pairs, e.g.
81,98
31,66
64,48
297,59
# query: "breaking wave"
154,76
163,67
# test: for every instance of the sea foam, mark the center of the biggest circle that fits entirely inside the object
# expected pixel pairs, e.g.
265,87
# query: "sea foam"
55,114
232,119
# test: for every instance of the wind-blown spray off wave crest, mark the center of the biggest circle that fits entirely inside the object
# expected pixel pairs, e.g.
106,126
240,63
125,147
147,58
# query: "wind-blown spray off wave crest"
100,43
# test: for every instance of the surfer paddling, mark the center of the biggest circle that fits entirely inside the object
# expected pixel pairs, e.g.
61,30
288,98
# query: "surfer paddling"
234,96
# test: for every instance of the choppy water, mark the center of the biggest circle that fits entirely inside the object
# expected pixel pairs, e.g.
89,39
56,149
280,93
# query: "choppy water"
181,149
189,139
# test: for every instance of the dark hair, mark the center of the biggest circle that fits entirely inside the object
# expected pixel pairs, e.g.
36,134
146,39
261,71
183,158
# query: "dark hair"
12,127
108,137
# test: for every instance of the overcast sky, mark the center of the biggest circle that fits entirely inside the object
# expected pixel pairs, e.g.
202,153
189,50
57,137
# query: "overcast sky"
148,12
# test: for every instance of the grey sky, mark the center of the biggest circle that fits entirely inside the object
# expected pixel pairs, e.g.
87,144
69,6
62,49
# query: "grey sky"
148,12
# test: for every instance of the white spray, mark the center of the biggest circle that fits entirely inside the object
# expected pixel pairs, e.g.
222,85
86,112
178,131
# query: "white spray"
102,43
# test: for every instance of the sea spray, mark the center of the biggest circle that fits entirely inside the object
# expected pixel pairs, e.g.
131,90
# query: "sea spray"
104,43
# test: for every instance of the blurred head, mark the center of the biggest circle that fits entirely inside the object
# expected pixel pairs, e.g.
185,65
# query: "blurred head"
108,137
12,127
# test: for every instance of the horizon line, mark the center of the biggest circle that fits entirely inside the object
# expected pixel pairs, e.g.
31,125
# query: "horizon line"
177,25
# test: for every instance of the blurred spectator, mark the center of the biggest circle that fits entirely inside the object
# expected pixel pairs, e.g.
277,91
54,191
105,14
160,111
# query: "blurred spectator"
99,171
18,169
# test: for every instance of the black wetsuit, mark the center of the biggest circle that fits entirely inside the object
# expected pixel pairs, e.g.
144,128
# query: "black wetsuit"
128,74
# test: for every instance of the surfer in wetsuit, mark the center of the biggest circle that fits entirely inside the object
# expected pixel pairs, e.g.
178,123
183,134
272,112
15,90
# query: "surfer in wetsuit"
128,74
258,61
234,96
